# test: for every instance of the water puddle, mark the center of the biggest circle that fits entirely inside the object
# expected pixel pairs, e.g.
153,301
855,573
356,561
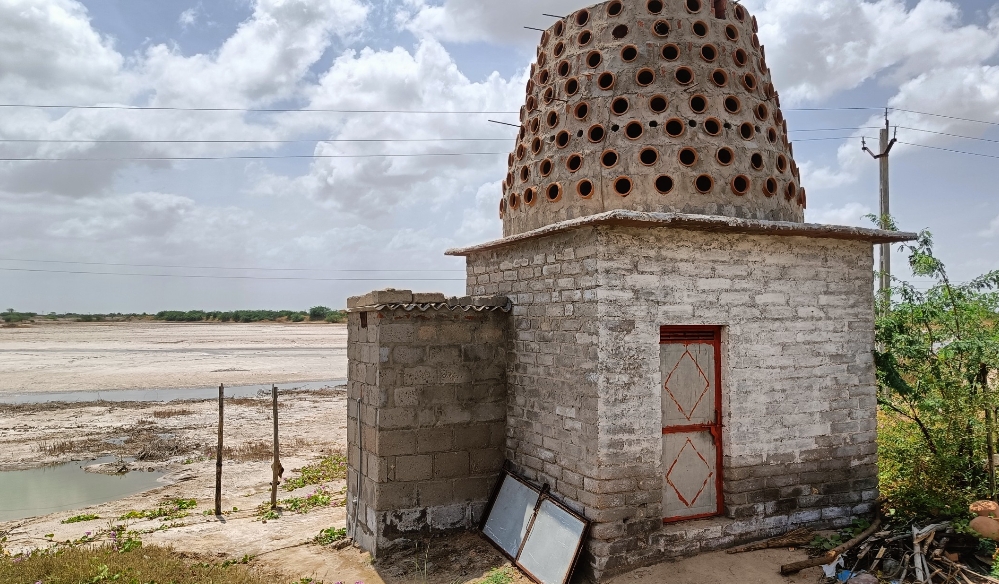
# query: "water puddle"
163,395
41,491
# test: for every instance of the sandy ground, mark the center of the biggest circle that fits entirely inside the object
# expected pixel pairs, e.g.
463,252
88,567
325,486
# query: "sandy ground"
175,437
65,356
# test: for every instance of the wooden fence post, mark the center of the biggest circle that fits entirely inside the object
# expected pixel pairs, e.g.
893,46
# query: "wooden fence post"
277,471
218,455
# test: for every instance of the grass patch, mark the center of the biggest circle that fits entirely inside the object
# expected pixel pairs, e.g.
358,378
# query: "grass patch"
171,413
251,451
321,497
330,468
97,565
79,519
499,576
330,536
176,509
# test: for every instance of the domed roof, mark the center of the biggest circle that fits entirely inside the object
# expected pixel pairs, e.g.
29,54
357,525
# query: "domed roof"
651,105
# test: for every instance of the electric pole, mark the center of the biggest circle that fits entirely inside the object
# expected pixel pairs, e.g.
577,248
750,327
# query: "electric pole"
885,259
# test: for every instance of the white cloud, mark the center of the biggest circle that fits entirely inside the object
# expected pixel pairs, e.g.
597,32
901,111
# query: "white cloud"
850,214
992,230
475,20
189,17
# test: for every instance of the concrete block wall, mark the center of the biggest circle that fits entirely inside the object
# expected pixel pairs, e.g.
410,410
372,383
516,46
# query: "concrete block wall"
427,388
799,405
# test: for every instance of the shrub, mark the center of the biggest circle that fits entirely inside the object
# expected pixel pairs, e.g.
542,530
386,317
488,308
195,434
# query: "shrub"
336,316
318,313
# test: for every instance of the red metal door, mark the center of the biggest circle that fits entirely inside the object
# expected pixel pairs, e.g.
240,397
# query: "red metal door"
690,360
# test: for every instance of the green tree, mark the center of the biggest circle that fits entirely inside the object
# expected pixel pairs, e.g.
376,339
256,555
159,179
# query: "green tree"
318,313
937,351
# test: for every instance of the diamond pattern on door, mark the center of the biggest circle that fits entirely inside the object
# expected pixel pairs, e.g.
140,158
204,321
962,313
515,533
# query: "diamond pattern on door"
691,414
695,468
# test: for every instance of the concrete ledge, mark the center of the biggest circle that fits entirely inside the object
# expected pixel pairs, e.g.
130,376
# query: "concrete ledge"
409,301
699,223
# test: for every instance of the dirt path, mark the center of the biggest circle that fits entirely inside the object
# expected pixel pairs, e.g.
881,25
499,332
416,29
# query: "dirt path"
69,356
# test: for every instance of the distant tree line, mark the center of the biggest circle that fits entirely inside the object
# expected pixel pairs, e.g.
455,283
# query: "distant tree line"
314,314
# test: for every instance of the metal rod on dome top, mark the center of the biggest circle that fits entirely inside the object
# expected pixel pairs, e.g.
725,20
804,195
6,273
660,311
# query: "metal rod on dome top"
552,15
504,123
532,28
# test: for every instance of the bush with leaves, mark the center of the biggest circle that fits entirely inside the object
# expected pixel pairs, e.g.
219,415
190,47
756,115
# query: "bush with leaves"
937,351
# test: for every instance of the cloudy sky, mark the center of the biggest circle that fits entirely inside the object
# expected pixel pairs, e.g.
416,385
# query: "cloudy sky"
302,224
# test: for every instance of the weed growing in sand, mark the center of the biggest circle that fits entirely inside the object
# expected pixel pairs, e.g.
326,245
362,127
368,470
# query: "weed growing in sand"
79,519
328,469
330,536
171,413
321,497
498,576
250,451
109,563
176,509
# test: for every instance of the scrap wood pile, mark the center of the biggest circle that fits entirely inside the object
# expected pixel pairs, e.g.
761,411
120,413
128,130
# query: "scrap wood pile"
922,553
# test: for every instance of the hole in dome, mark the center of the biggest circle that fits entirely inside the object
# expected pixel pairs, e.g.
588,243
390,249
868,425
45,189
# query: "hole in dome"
709,53
653,124
614,8
552,119
530,86
725,156
581,111
620,31
719,78
584,38
740,185
546,167
692,123
698,104
529,196
749,81
700,29
747,131
609,159
756,41
521,150
732,104
704,184
582,17
554,192
740,13
559,28
574,163
770,187
790,191
620,105
762,112
535,125
531,103
525,173
757,161
694,5
732,33
564,68
649,156
597,133
623,186
615,128
671,52
740,57
549,95
688,157
543,77
606,81
661,28
562,139
658,104
559,49
782,164
675,128
594,59
684,76
514,201
772,135
712,126
502,208
655,6
542,59
536,145
634,130
585,188
645,77
629,53
571,86
664,184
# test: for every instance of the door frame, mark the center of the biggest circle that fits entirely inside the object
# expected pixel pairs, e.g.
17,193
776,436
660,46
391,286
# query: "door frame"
690,335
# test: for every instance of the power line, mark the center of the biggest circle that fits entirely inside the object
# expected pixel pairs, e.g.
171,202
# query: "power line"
247,110
253,157
944,116
213,267
947,134
215,277
949,150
